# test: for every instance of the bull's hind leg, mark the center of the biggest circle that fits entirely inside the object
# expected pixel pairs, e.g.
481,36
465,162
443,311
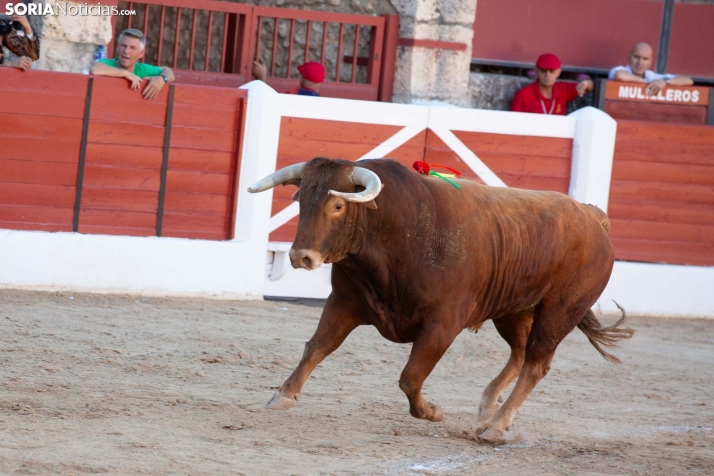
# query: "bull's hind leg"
428,348
550,326
514,328
335,325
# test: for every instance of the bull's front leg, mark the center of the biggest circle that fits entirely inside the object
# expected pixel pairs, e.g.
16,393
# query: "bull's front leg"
335,325
428,348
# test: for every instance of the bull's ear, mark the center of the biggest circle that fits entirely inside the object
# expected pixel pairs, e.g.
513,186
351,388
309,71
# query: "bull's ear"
296,182
371,204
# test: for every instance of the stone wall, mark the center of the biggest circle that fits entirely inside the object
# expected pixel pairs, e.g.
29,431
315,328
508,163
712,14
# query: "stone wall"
494,91
362,7
68,43
427,74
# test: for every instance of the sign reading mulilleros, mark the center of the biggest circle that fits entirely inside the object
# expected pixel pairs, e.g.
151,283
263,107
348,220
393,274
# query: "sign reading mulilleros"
684,95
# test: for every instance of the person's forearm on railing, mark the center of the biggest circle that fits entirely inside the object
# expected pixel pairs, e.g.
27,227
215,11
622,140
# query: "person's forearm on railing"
628,77
101,69
681,81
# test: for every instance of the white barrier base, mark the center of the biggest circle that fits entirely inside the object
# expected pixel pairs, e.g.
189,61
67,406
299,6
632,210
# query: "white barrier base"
298,282
226,269
664,290
135,265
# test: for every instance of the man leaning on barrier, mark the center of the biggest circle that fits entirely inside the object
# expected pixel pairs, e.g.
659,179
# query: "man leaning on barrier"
131,47
637,71
22,42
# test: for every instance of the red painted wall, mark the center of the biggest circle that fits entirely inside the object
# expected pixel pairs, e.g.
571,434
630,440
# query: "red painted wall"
691,50
585,33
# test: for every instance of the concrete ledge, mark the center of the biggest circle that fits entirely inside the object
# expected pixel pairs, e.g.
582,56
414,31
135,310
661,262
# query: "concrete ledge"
664,290
126,264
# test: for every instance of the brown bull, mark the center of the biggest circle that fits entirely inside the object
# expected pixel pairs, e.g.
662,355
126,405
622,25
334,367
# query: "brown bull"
422,260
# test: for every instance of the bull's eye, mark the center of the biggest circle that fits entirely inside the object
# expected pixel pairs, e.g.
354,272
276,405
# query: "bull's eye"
338,207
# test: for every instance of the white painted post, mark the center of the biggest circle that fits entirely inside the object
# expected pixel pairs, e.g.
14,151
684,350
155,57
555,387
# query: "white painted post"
593,151
260,154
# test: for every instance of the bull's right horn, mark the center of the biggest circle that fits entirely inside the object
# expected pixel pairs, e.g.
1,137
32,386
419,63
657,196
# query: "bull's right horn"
278,177
366,178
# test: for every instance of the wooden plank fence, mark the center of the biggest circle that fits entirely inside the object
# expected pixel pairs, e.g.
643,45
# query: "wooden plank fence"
93,156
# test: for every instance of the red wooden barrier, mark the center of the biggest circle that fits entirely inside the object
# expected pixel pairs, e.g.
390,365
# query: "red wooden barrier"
662,193
41,131
389,57
537,163
203,162
120,193
677,104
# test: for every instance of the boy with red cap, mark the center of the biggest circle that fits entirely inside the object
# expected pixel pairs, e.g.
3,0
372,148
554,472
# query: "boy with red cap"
312,75
546,95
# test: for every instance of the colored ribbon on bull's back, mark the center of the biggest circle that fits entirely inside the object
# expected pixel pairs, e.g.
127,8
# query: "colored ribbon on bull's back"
425,169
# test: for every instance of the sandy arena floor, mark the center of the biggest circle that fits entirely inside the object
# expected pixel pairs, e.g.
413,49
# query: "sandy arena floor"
130,385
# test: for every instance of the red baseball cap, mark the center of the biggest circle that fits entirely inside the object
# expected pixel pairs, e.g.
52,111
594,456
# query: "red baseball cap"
312,71
548,61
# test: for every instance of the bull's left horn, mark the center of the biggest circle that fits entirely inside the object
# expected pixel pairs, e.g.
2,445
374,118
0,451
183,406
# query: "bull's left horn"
366,178
278,177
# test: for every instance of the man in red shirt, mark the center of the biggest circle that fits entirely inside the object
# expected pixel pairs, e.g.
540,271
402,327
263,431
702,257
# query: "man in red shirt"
546,96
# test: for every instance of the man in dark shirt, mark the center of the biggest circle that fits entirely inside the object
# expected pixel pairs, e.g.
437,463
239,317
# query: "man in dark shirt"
312,75
546,95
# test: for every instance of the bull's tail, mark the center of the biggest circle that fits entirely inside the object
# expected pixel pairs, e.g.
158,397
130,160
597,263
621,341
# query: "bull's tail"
601,216
605,336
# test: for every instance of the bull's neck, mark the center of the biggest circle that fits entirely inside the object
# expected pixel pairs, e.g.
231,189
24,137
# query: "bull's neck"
381,236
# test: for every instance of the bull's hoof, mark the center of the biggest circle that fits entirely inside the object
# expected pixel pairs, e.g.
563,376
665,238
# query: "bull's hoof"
280,402
492,436
482,425
437,414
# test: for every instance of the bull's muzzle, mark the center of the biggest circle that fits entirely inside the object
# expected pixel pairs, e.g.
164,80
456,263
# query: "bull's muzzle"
307,259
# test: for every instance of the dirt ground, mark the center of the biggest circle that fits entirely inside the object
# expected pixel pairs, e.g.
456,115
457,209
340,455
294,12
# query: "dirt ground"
131,385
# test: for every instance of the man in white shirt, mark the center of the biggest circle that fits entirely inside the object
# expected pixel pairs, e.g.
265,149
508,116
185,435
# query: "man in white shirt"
637,71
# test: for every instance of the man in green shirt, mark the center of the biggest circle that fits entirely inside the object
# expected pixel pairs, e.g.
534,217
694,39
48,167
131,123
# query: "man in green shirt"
131,47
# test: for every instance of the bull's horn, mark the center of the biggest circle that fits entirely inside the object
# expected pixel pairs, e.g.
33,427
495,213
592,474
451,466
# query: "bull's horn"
278,177
366,178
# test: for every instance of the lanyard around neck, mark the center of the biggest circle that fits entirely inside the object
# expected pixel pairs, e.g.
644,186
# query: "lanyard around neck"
552,106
